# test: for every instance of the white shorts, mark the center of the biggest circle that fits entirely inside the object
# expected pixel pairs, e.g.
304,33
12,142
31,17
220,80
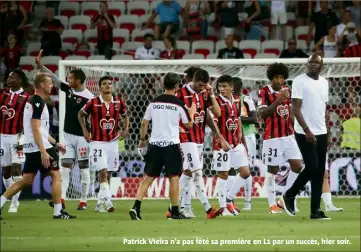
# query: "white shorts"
8,151
277,151
236,158
192,156
77,147
252,147
280,16
104,155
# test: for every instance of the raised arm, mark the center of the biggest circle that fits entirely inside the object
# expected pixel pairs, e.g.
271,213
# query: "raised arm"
56,81
252,115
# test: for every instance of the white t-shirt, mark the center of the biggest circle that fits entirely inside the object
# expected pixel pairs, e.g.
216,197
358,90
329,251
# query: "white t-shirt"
165,112
147,54
278,5
314,95
35,108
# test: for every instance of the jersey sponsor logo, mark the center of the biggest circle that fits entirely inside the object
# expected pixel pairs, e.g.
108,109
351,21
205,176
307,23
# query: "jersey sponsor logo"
199,117
83,151
232,125
7,112
28,145
283,111
37,104
107,124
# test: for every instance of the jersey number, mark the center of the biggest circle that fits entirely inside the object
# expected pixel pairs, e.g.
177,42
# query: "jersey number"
222,157
1,152
272,152
97,153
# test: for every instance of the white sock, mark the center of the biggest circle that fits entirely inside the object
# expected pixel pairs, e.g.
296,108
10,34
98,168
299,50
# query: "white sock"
187,199
15,198
183,187
248,188
57,209
103,193
270,185
237,184
222,192
327,199
65,173
8,182
290,179
199,184
3,200
85,183
230,181
92,173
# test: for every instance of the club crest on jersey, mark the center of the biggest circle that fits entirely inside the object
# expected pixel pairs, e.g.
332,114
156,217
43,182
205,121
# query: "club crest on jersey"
199,117
205,96
106,124
79,100
232,125
8,113
283,111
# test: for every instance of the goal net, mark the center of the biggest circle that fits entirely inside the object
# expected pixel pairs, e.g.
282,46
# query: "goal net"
138,82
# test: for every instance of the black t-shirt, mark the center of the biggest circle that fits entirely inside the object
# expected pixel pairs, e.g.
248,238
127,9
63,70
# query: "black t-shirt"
51,36
320,21
233,53
286,54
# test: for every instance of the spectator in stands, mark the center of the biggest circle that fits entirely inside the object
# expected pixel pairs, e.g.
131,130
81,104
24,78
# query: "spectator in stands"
53,4
147,51
105,23
355,13
168,12
11,55
350,36
255,14
278,15
230,52
350,117
16,18
319,22
346,18
195,17
228,17
51,28
303,11
329,42
292,51
171,51
353,51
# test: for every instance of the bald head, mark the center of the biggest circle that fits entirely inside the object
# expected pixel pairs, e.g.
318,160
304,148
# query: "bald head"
315,57
314,65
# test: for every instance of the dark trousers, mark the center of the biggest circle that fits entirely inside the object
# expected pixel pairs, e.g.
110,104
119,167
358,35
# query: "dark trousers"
105,48
314,157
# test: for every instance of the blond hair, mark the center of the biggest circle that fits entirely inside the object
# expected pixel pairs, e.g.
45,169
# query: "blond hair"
40,78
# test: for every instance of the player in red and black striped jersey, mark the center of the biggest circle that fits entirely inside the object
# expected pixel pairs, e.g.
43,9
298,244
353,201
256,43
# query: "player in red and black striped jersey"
106,112
279,144
12,103
201,93
230,126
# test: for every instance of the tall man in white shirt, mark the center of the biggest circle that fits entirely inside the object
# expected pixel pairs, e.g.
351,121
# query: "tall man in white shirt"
310,93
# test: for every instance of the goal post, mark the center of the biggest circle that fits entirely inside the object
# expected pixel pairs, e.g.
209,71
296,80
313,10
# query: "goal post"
138,81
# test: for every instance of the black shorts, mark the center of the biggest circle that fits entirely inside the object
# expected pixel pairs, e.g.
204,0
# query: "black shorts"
170,157
33,162
163,27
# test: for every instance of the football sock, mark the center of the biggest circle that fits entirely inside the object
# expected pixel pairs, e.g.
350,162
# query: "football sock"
270,185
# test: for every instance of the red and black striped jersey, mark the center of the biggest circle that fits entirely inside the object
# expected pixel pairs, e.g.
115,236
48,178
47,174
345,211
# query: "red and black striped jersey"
228,122
12,106
279,123
104,118
203,102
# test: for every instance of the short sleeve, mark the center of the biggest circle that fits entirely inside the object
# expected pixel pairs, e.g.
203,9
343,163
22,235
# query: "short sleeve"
248,100
157,9
137,54
184,115
327,90
147,114
88,108
262,99
38,106
64,87
59,24
178,8
297,89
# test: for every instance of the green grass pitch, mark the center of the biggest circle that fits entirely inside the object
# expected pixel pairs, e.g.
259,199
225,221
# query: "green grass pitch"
33,229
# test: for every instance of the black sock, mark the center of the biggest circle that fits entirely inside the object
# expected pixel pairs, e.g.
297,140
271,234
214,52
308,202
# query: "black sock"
137,204
209,210
175,210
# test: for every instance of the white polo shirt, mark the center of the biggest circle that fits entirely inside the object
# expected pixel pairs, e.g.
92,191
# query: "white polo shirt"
314,95
143,53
